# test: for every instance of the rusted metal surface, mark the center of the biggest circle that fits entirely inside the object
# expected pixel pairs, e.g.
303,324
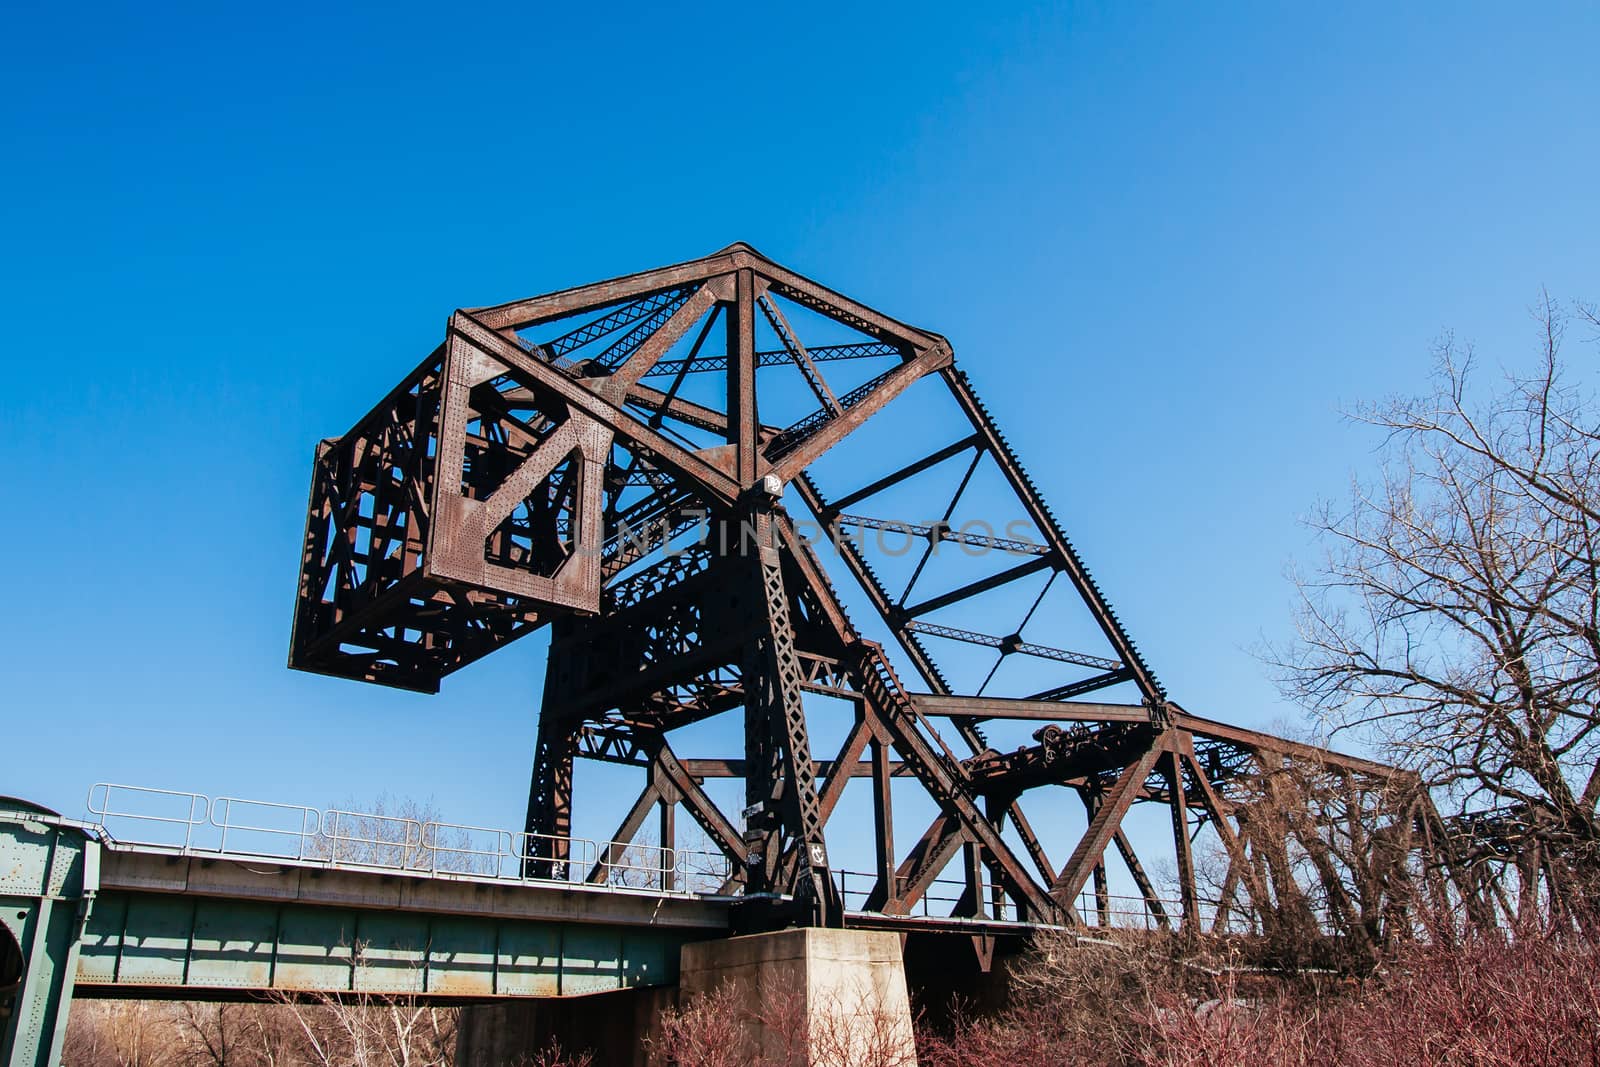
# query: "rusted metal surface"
505,483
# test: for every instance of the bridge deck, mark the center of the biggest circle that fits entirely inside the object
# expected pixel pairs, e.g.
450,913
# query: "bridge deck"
84,914
162,921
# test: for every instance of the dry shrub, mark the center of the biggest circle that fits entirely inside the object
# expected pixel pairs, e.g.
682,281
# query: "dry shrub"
855,1031
721,1029
553,1055
709,1031
1072,1000
1175,1030
1492,1001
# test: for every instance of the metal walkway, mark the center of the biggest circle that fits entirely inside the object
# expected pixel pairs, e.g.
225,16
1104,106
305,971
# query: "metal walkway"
223,899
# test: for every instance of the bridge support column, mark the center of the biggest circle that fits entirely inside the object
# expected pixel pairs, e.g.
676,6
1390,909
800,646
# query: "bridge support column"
838,992
48,877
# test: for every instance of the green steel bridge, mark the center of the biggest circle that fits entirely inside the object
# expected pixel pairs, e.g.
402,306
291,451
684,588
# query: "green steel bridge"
228,898
169,894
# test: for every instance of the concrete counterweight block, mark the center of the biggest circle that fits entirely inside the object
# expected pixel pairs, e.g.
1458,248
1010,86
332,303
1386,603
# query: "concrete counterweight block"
830,998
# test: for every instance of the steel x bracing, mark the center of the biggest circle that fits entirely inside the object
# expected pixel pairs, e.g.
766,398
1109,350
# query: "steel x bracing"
525,474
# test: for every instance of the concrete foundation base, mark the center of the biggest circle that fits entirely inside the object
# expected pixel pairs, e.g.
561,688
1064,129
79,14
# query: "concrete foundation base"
830,998
820,998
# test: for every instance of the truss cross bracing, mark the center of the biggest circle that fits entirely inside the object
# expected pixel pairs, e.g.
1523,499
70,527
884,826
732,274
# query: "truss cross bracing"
732,491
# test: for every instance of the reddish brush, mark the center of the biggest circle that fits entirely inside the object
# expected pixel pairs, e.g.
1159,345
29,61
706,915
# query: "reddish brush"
1497,1001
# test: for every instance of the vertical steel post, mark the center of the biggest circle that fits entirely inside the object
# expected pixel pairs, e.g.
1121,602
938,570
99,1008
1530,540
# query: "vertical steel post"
49,872
883,819
549,823
668,834
1179,809
743,419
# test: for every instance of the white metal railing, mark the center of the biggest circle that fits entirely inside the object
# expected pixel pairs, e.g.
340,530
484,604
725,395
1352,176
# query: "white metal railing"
938,900
193,823
252,826
1126,912
194,810
942,895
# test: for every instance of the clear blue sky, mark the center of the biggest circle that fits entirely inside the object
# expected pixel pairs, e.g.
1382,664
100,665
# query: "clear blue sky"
1167,241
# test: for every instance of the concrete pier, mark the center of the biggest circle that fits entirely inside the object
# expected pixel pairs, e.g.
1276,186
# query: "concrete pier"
826,998
839,994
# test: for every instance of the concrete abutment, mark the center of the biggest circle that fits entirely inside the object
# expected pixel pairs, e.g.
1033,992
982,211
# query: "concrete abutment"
835,998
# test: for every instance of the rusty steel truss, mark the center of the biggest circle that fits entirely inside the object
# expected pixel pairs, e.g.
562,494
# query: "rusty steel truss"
647,464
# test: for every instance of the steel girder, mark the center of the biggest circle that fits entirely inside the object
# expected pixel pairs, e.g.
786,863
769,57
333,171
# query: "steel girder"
526,474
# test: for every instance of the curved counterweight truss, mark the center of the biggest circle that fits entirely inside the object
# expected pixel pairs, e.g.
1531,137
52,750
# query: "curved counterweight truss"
679,471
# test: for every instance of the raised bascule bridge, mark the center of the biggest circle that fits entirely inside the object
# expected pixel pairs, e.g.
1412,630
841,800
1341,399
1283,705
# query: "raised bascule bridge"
734,495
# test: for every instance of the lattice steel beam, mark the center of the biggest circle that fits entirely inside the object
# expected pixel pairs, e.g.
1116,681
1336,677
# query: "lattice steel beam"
506,483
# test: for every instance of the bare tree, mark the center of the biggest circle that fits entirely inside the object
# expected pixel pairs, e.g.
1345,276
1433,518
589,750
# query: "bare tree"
361,1030
214,1034
369,1030
115,1033
1456,618
692,865
405,834
1323,850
